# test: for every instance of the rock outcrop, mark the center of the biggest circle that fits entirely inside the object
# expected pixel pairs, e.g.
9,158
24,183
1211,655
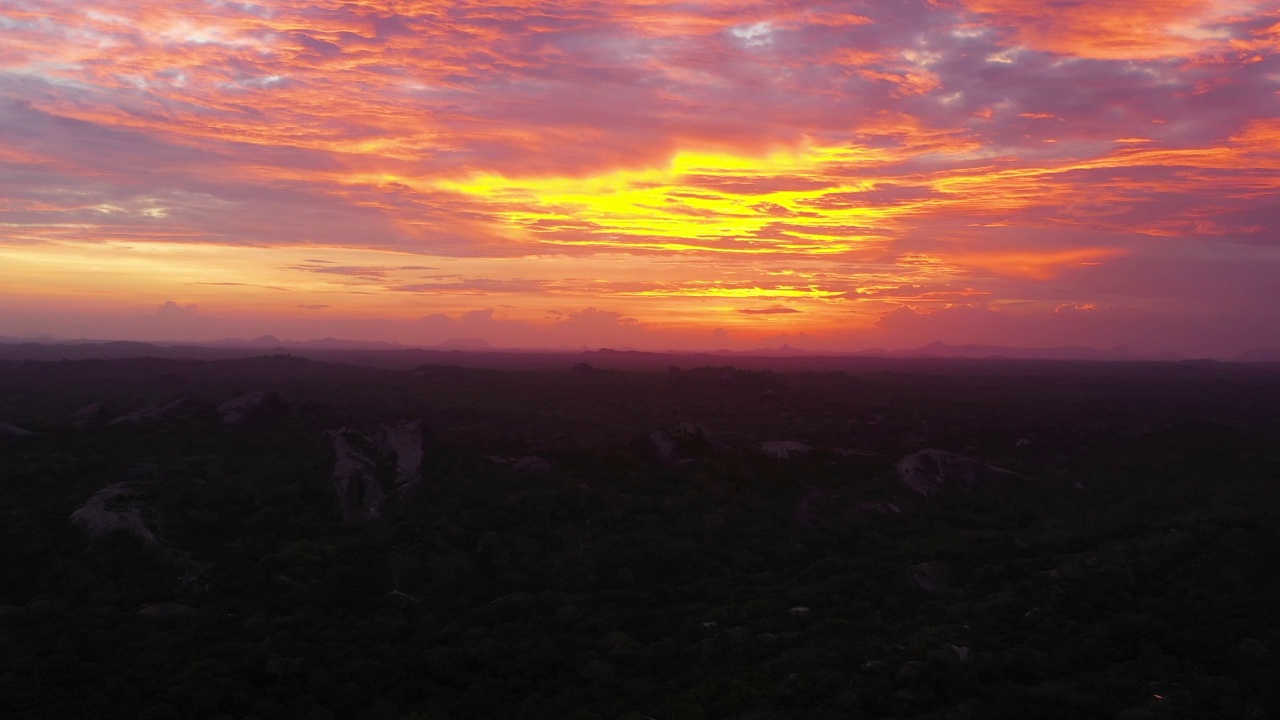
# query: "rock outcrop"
932,577
582,370
681,446
150,413
166,610
87,416
951,654
782,449
879,508
369,470
930,472
254,406
118,508
360,495
698,434
11,430
407,443
532,465
658,447
814,502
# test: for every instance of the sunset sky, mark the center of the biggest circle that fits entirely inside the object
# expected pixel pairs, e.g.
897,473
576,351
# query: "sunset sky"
644,173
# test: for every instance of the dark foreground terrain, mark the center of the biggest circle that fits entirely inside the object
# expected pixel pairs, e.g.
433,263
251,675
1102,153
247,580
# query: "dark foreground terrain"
950,540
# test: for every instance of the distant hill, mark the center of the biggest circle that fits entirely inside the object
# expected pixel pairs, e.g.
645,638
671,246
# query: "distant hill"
464,344
939,349
119,350
268,342
1260,354
476,352
1116,354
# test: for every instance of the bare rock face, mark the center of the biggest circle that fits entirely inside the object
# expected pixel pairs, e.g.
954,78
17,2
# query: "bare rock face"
933,577
681,446
699,434
879,508
118,508
10,430
166,610
407,443
532,465
149,414
360,495
88,415
950,655
930,472
782,449
369,470
138,417
254,406
811,506
658,447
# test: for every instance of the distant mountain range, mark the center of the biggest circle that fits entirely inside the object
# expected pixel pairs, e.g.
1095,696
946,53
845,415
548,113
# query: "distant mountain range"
938,349
44,348
1262,354
270,342
994,352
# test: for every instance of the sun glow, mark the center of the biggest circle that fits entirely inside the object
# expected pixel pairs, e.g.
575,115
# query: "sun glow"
701,201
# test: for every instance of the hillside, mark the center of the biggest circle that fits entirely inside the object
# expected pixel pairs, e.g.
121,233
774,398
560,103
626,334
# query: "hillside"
282,537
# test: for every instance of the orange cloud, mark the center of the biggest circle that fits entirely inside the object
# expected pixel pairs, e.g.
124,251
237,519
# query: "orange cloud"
1030,264
1105,30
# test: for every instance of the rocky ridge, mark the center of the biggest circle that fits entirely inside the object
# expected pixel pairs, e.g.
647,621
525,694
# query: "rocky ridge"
931,472
254,406
368,470
121,508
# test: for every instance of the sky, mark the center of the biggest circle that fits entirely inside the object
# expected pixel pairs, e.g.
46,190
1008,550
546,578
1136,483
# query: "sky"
651,174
